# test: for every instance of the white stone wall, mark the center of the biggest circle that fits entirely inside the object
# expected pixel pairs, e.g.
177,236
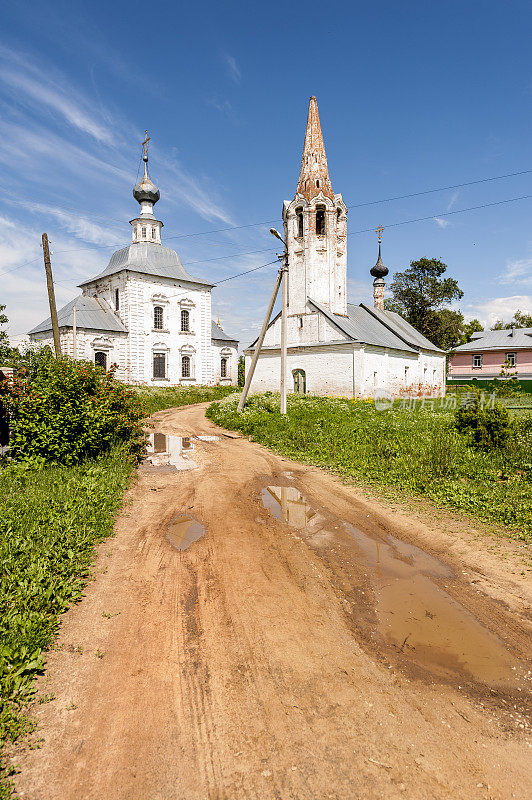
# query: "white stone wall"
221,349
139,295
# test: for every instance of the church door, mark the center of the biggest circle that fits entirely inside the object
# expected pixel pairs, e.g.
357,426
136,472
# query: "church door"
300,381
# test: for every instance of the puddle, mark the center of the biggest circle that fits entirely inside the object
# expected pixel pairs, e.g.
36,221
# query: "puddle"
183,531
167,453
414,614
207,438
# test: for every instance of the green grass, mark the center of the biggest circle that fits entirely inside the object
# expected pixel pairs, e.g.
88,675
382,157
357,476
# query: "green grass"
156,399
414,451
50,521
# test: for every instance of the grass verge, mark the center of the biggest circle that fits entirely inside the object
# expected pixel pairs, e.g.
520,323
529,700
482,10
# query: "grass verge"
156,399
50,520
413,450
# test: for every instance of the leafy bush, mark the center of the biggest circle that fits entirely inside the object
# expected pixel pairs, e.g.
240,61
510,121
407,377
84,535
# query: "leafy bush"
62,411
486,427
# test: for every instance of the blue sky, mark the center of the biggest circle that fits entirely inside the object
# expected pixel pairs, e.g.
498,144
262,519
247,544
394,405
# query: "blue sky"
412,96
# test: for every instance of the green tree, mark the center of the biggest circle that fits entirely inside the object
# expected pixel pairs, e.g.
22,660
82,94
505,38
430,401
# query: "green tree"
420,294
520,320
241,370
6,351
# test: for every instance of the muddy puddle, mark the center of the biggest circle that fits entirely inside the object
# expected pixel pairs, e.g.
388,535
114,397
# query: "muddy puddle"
167,453
414,614
183,531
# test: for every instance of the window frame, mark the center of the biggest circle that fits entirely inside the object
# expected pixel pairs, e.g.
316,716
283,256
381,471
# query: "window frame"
117,299
189,366
478,356
101,353
158,311
321,213
223,367
514,357
159,356
185,315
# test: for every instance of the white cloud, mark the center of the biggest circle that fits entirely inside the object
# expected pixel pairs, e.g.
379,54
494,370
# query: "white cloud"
452,201
232,67
442,223
517,271
499,308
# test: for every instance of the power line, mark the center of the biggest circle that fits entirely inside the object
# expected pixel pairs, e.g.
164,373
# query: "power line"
247,272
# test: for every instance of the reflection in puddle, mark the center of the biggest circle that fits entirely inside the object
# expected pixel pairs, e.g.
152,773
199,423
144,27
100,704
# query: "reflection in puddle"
183,531
413,613
169,453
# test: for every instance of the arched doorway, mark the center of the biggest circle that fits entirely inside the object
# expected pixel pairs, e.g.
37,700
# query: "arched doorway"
300,381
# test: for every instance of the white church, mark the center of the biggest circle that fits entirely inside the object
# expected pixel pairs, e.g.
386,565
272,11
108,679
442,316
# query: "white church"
146,314
336,347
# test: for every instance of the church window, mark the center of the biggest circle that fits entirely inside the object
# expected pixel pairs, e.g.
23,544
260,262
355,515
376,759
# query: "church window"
143,231
159,365
117,300
320,220
185,366
300,381
158,318
317,184
185,320
299,217
101,359
223,368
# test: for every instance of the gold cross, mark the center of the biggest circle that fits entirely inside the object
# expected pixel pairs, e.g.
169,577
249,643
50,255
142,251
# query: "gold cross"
379,230
145,144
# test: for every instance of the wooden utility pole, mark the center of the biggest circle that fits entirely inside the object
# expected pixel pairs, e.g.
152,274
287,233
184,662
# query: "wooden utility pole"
260,340
51,294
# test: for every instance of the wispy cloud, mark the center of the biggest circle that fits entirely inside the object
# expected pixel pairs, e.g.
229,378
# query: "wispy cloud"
517,271
442,223
452,201
231,67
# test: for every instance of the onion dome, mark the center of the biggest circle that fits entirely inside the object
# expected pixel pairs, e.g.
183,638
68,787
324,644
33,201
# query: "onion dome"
146,190
380,270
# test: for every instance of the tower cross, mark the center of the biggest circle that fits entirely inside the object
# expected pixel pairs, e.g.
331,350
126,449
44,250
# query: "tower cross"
379,231
145,145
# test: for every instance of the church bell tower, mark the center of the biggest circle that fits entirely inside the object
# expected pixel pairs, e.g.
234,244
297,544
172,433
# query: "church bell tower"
315,226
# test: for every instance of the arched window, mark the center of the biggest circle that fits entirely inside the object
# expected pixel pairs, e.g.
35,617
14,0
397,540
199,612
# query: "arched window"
223,368
101,359
185,320
300,381
185,366
159,365
299,219
320,220
158,318
117,300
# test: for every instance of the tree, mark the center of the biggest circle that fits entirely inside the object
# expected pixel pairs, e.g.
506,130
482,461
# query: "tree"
421,294
5,350
241,370
520,320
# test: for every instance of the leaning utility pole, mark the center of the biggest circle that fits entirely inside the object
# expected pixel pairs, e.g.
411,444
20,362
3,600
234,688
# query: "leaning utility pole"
284,321
51,294
260,340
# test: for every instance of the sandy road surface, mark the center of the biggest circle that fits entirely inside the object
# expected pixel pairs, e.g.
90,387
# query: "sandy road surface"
257,662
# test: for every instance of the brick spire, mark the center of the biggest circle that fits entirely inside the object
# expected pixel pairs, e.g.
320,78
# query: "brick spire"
314,175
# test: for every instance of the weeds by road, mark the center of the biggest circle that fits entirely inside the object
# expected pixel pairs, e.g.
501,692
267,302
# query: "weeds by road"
156,399
50,521
413,449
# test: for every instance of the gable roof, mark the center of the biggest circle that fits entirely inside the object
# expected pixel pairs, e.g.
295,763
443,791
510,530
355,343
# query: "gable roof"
498,340
90,313
402,328
220,335
150,258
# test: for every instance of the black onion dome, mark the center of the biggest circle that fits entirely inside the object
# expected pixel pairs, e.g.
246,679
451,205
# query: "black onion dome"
380,270
146,189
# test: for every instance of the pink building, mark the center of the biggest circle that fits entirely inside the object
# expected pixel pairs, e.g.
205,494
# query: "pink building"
484,356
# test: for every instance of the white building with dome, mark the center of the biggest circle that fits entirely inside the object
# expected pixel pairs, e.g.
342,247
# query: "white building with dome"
146,314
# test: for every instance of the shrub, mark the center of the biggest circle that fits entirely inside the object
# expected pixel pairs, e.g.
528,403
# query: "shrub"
62,411
487,428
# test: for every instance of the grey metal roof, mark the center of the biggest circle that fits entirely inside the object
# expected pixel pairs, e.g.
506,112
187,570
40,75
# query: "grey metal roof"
499,340
154,259
220,335
90,313
361,326
402,328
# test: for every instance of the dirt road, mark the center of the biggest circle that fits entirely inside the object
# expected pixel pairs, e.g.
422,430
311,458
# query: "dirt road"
311,644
